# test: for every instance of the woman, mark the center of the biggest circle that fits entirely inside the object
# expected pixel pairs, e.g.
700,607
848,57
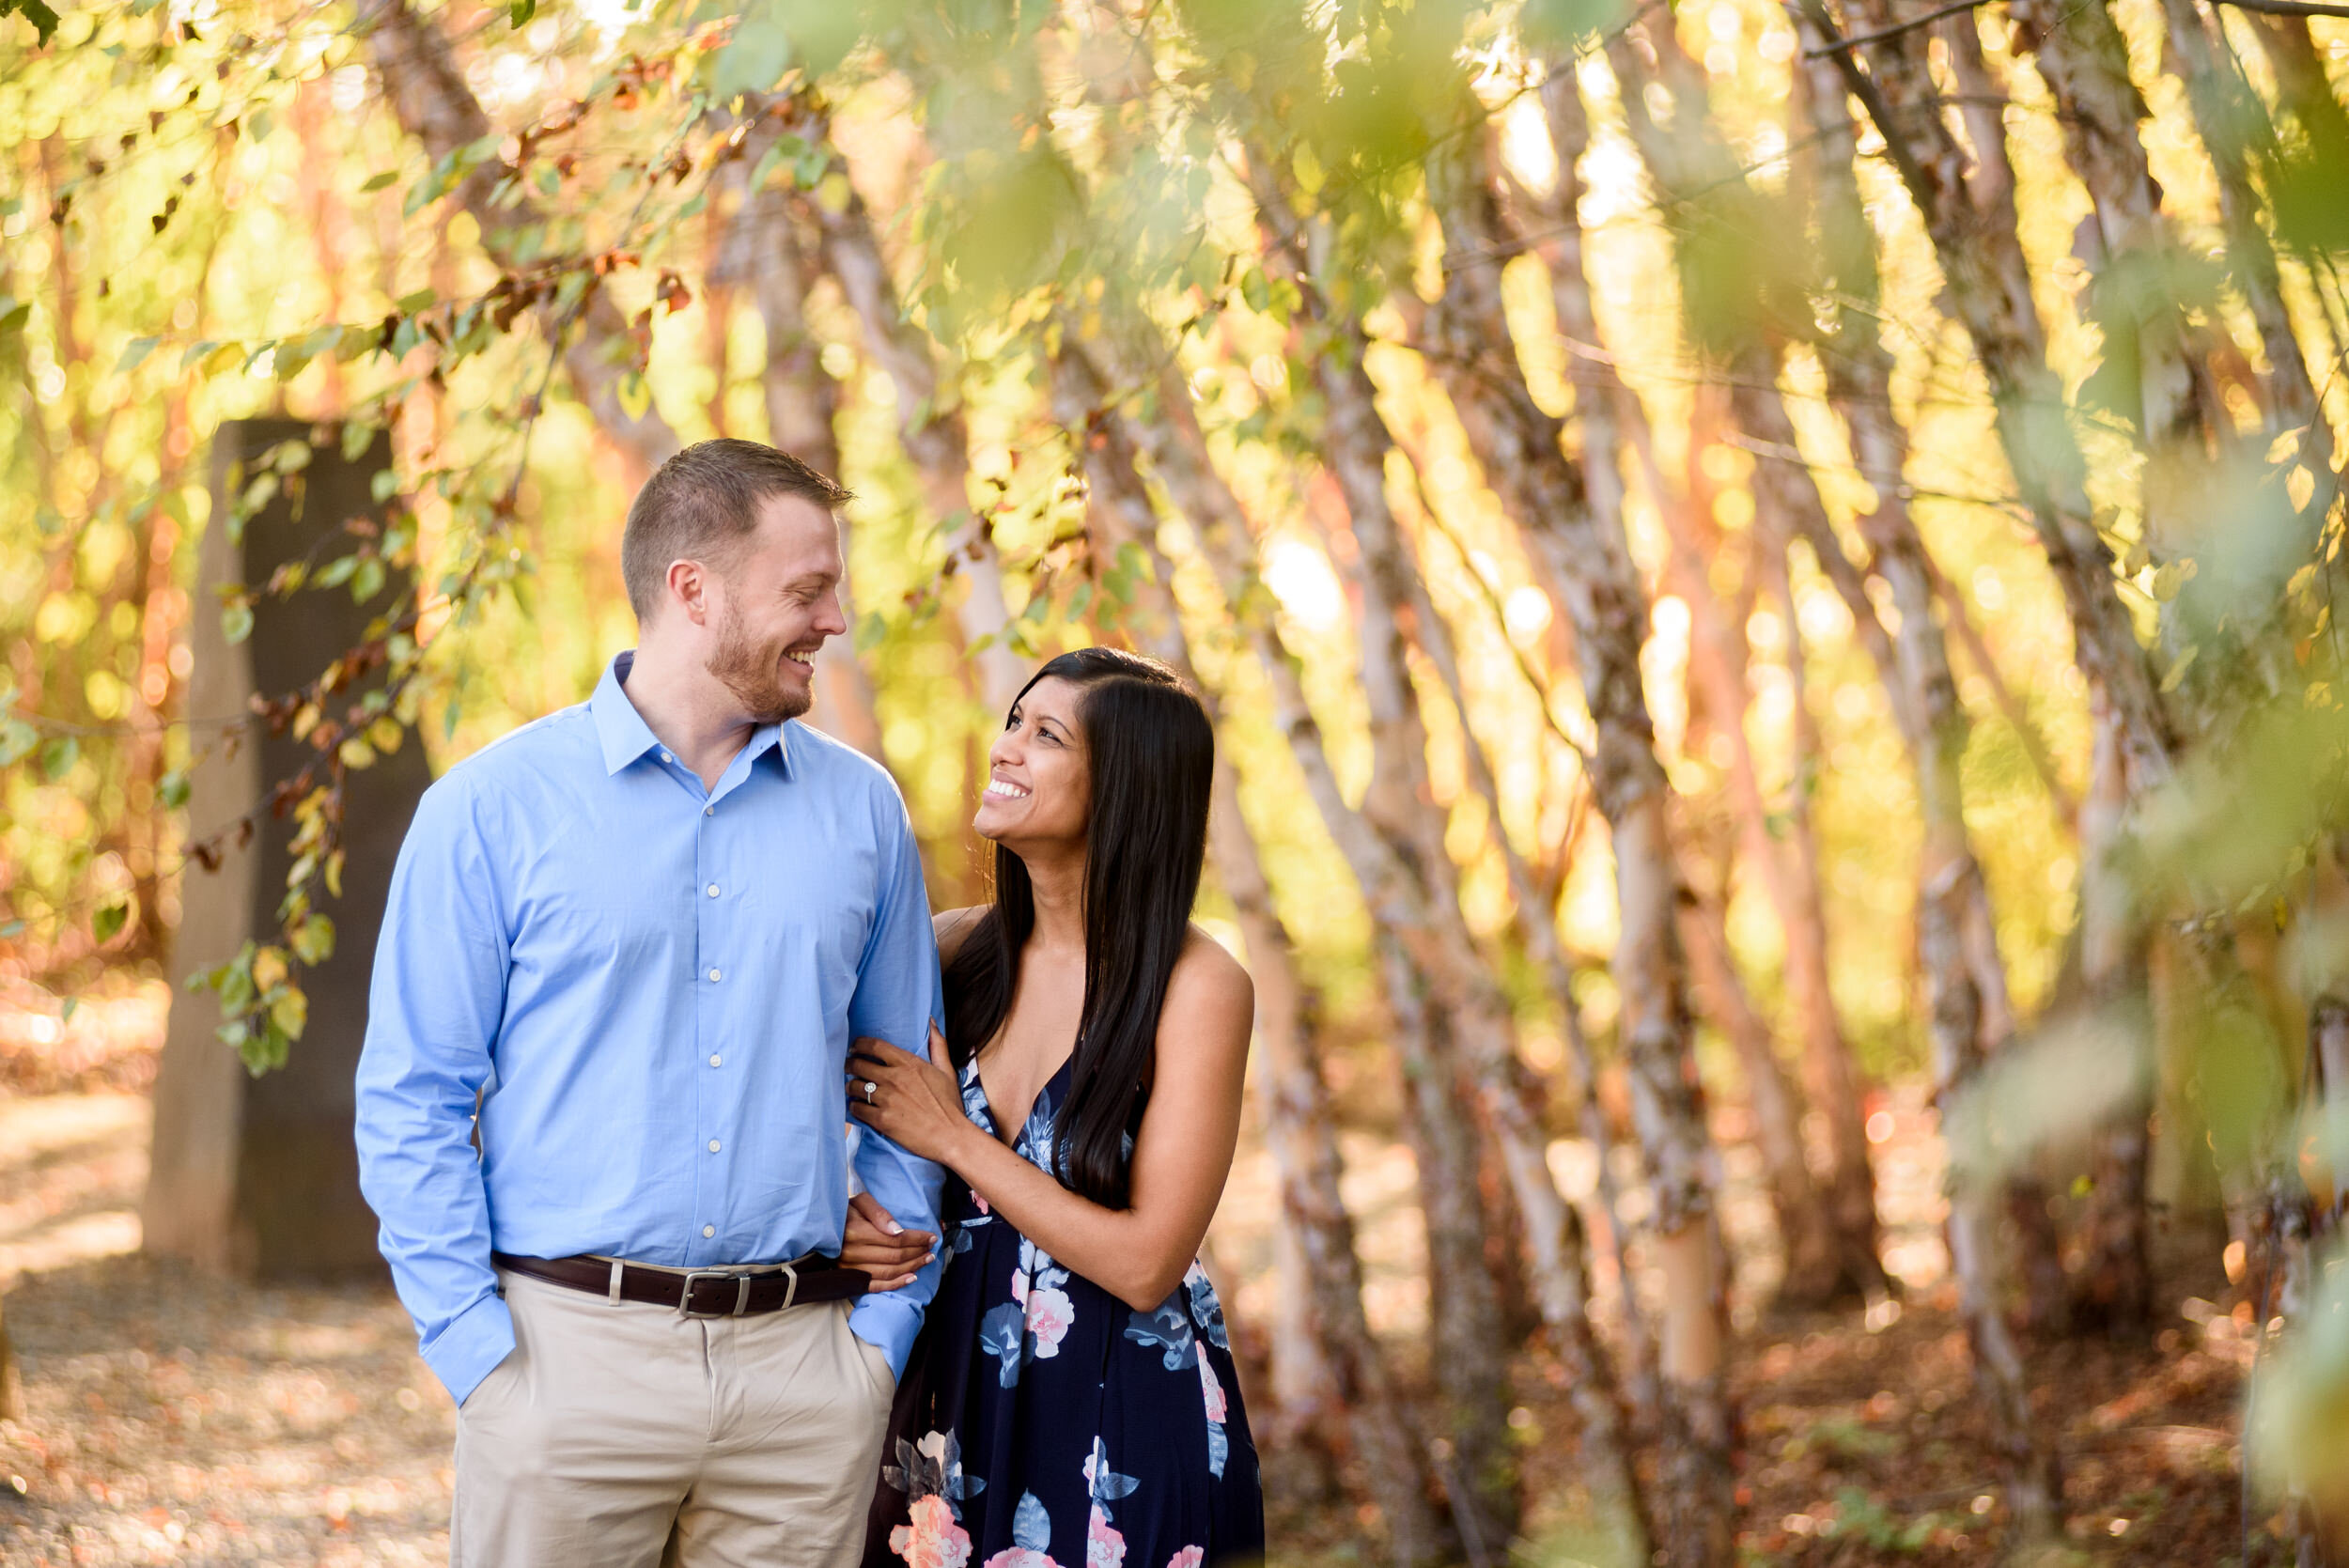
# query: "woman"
1071,1399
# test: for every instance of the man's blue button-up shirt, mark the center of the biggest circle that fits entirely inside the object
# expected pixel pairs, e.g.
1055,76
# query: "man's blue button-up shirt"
652,986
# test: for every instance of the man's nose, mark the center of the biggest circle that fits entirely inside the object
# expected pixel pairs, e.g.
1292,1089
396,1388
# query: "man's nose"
831,620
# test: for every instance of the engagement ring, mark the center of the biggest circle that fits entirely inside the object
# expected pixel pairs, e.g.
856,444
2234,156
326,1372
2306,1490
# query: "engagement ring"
870,1090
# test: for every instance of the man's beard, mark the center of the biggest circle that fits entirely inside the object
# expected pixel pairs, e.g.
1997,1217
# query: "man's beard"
753,671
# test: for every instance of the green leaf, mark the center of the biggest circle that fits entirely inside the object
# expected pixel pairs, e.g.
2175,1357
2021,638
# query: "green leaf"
45,21
17,740
107,924
133,355
14,312
753,60
635,397
290,1011
172,790
518,13
58,757
368,581
264,1051
422,298
235,622
314,940
377,181
72,1006
236,990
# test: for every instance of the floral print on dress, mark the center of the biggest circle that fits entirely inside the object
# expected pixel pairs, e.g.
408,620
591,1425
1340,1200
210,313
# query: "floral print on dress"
1031,1537
1104,1546
1034,1377
1037,1288
930,1472
1175,1328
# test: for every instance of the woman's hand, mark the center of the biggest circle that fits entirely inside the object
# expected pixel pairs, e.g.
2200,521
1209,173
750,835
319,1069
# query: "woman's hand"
876,1243
913,1102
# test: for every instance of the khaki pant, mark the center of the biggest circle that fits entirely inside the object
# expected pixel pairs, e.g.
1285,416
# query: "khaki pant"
623,1435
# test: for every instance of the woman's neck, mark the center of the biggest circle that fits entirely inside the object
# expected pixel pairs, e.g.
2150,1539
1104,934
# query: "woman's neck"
1057,885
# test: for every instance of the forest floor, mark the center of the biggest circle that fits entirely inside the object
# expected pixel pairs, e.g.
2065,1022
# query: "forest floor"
171,1416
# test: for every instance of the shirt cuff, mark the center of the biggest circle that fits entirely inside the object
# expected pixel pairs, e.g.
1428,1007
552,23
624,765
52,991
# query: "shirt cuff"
471,1344
888,1323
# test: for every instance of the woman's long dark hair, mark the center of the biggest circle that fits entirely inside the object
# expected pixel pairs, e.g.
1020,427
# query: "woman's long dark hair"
1151,751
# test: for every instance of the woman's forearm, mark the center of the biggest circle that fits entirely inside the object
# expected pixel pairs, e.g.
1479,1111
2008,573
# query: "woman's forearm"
1130,1255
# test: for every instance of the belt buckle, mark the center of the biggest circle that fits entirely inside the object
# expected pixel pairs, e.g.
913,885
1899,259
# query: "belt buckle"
741,1295
790,1286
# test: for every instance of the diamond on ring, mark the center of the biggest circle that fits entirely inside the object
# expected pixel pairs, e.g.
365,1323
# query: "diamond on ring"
870,1090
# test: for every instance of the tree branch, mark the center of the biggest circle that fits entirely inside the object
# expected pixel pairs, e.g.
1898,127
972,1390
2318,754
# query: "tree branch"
1838,45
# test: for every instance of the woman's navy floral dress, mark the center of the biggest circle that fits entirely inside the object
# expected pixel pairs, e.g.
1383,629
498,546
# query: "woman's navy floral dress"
1044,1424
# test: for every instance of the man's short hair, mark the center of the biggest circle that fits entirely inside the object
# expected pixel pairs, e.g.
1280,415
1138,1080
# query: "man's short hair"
702,505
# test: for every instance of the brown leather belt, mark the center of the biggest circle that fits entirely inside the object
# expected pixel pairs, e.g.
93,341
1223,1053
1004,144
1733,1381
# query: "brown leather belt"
700,1292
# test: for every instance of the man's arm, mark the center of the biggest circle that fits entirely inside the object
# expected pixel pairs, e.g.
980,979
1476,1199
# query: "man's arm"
897,996
433,1009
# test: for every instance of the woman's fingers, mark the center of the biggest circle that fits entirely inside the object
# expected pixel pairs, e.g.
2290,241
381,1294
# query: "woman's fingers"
939,1057
864,1206
875,1242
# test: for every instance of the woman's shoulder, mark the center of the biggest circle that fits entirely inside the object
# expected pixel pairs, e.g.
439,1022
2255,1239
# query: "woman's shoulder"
948,927
1210,983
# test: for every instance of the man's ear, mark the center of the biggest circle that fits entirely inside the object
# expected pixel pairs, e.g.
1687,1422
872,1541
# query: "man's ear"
688,585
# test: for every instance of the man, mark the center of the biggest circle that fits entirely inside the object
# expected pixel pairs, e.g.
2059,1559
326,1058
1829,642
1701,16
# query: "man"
642,932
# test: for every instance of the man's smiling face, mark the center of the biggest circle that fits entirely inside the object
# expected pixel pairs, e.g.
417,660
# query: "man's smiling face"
776,603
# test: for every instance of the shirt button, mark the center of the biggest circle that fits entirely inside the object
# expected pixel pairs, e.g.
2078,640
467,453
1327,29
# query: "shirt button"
713,975
713,1061
713,890
713,1145
709,1230
666,757
709,811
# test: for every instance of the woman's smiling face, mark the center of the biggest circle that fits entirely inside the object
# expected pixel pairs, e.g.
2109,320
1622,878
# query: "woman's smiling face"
1039,785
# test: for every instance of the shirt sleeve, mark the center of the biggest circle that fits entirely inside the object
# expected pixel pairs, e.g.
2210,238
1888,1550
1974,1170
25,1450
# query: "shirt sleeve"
434,1005
897,995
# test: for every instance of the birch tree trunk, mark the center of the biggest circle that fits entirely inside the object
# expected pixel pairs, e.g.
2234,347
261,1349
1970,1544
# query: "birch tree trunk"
1951,895
1688,156
1587,562
427,89
2116,1283
1441,968
2085,61
2224,108
1464,1311
767,250
1803,1226
1360,1395
1966,200
930,425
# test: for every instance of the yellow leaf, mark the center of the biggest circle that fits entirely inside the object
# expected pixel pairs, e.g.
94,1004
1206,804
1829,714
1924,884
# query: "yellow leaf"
269,969
356,754
289,1013
385,734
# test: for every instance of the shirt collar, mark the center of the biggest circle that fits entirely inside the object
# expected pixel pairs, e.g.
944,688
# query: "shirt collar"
625,736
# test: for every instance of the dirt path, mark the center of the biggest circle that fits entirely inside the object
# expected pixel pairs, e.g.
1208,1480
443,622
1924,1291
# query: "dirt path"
174,1418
